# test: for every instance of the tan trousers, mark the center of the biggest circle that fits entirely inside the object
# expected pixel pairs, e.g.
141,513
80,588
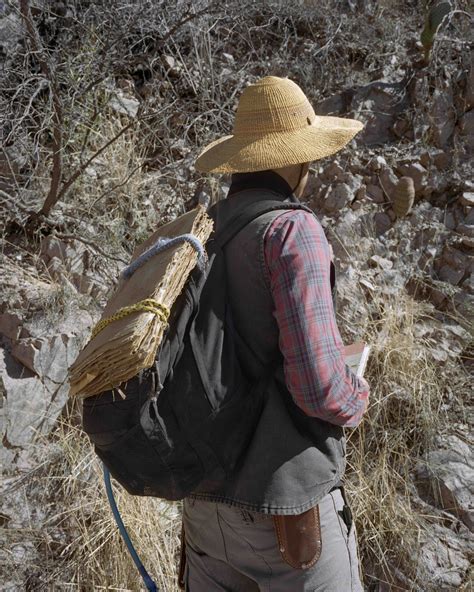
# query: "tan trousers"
232,550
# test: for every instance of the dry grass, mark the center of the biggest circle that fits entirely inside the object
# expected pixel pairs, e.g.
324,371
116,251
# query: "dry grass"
96,558
405,413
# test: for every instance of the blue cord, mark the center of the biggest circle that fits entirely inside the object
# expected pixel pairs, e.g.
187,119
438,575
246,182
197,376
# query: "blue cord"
149,583
162,244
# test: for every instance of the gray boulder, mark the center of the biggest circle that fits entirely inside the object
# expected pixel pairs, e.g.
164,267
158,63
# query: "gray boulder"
338,197
452,266
32,404
466,131
443,559
33,381
446,478
442,116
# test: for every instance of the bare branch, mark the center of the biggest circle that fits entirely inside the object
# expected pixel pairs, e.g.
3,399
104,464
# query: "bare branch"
56,174
82,168
92,244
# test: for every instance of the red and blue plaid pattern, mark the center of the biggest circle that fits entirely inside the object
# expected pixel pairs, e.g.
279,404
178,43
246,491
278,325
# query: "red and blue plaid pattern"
298,261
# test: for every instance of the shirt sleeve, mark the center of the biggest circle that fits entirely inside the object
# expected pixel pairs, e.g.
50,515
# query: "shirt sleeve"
298,261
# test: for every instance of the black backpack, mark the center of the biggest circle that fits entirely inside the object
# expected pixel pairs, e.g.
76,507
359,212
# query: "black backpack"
186,421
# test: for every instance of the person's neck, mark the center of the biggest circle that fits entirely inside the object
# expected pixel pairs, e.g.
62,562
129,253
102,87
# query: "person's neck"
293,175
259,180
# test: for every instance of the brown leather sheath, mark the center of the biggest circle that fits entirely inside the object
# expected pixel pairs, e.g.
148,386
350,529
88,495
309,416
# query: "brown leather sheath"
299,538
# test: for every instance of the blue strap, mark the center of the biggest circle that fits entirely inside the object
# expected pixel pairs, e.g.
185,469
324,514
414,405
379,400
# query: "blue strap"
161,245
149,583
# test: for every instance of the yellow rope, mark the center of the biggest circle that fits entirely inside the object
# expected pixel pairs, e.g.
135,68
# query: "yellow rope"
147,305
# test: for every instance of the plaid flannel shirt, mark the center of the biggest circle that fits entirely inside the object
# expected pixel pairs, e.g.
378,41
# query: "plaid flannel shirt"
298,259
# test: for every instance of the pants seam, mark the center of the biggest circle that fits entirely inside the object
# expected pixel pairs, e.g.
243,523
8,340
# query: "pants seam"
346,540
254,552
218,517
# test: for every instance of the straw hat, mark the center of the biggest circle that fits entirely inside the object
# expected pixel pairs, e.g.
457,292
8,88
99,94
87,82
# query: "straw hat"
275,126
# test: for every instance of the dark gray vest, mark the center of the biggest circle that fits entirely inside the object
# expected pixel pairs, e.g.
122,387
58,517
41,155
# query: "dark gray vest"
293,460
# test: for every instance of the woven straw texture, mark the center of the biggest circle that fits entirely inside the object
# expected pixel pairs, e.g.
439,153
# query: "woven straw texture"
276,126
127,345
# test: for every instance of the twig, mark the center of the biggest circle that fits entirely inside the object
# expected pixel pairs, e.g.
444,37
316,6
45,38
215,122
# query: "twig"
42,86
121,184
188,17
328,42
90,244
15,203
93,117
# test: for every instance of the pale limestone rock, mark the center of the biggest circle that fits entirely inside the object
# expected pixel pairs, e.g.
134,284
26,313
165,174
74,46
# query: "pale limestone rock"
378,105
123,104
443,559
443,116
466,130
68,254
338,197
168,61
467,199
49,357
381,262
33,379
446,476
452,266
388,180
377,163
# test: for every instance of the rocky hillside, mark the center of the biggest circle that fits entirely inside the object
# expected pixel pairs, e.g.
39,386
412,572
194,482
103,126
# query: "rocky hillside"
104,108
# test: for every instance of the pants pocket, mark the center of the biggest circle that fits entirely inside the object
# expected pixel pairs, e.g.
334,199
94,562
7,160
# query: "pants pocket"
299,538
348,532
345,514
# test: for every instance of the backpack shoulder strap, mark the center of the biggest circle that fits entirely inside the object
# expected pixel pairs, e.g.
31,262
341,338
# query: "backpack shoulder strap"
250,213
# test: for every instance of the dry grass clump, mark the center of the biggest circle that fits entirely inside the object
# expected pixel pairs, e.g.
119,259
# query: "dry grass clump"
96,557
405,412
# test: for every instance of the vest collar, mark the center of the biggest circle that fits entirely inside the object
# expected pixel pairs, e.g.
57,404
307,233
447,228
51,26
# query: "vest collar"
259,180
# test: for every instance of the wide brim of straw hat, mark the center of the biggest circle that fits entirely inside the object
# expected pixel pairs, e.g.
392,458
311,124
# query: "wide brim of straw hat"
251,153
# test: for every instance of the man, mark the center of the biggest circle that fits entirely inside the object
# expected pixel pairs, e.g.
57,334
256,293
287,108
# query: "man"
281,523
